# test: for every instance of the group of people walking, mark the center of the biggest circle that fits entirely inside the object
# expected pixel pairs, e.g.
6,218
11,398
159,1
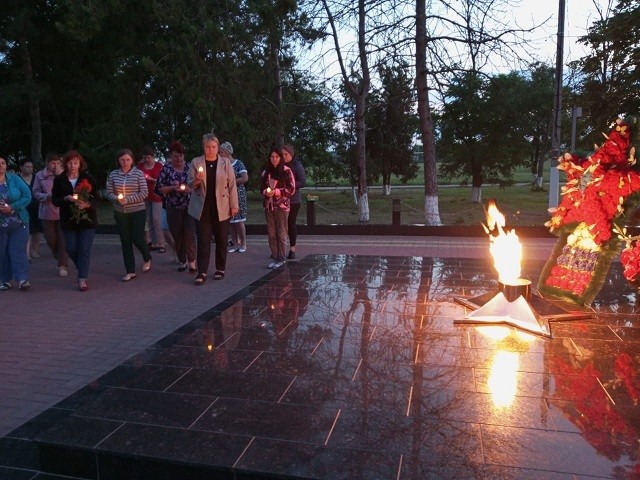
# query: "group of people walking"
183,204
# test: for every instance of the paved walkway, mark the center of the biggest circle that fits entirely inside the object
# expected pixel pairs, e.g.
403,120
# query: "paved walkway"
55,339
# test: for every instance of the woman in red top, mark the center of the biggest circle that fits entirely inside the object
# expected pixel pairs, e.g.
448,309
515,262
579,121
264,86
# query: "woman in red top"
277,185
153,203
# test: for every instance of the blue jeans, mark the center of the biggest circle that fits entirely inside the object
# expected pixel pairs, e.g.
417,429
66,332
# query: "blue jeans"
14,262
154,223
78,244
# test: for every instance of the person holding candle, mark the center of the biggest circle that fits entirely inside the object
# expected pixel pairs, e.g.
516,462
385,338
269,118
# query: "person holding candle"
74,192
213,202
172,183
237,227
127,190
153,202
14,229
48,213
294,163
277,185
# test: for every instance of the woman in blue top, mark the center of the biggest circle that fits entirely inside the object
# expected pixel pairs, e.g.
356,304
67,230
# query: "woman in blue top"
14,229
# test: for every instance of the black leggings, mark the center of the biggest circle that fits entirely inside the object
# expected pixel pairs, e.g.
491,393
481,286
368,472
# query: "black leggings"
291,223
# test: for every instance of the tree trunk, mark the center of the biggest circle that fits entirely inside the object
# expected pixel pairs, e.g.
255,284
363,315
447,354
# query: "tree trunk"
431,213
358,92
476,194
361,157
34,104
476,181
277,74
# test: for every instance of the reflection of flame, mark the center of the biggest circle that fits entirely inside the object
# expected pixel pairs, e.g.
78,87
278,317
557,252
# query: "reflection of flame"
495,332
503,379
505,248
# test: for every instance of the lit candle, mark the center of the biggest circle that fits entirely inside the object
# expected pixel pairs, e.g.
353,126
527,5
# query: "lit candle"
268,189
183,187
200,169
75,196
120,196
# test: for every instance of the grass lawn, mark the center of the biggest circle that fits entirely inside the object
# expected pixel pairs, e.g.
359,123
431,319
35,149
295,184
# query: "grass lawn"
521,206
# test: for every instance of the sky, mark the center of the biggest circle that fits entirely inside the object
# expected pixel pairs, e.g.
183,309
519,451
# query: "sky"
579,15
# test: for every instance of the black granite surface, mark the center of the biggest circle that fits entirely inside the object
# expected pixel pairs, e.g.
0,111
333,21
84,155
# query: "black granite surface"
350,367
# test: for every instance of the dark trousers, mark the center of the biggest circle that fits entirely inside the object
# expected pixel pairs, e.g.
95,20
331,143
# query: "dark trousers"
291,223
206,228
55,239
183,229
131,230
78,244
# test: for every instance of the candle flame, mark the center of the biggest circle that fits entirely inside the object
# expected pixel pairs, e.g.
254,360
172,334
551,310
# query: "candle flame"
120,196
505,248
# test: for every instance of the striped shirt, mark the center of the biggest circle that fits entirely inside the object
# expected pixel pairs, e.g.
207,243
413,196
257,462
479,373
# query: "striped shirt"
132,185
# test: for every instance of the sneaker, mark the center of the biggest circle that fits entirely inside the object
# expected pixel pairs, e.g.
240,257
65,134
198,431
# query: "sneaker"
192,267
4,286
24,285
242,249
146,266
277,265
291,255
62,271
272,264
182,267
233,249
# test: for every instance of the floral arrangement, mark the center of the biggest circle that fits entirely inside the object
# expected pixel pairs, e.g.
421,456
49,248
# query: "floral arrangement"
82,193
600,193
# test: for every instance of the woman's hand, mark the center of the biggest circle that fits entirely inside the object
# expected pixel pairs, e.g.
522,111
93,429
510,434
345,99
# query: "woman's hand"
234,212
71,198
5,208
82,204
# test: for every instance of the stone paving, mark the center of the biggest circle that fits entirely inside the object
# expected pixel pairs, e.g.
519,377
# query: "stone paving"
55,339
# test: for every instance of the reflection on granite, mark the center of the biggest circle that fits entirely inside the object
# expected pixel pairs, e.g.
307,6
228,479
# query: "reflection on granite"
343,367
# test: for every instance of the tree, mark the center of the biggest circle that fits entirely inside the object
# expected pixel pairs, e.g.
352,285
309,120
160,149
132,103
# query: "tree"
609,74
538,107
483,129
393,125
357,86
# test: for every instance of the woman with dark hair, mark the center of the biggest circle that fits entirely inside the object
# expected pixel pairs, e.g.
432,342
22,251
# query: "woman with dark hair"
74,193
294,163
172,183
277,184
153,203
213,202
14,229
127,190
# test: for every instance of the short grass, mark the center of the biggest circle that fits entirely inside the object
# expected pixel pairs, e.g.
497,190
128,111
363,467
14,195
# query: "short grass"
521,206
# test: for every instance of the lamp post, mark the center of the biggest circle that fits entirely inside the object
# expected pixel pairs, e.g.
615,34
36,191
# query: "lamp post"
554,176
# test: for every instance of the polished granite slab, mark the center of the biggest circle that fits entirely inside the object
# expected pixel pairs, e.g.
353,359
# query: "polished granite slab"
350,367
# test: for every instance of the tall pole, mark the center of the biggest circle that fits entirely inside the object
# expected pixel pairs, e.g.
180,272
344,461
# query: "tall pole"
554,177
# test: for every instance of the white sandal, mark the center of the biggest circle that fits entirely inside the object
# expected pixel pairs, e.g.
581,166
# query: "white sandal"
128,276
